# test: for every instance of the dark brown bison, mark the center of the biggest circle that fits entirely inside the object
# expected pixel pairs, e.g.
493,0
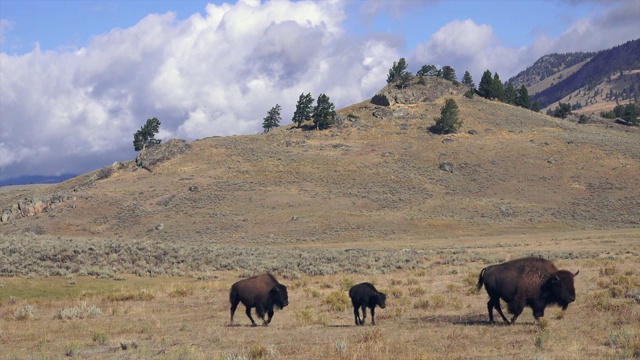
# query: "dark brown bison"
365,296
262,292
530,281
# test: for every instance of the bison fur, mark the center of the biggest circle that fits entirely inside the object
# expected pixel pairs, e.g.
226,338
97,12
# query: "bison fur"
262,292
530,281
363,296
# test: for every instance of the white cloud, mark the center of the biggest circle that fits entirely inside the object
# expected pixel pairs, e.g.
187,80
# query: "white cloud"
466,45
212,74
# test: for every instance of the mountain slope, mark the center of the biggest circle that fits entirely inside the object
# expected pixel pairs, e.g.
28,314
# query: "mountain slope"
376,177
590,82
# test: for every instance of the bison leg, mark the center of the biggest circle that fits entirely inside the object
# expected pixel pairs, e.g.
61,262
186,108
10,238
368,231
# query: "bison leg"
356,314
373,315
495,303
248,311
364,314
234,305
270,316
516,309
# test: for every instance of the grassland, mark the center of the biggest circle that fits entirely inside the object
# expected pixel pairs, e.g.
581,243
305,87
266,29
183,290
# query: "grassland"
433,310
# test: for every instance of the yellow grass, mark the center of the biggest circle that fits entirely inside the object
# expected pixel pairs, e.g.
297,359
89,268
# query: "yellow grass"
186,318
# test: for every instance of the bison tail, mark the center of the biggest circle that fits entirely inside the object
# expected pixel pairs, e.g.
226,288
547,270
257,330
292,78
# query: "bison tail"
233,294
480,280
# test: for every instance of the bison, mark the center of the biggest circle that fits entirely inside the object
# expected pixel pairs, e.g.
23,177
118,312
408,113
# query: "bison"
365,296
262,292
530,281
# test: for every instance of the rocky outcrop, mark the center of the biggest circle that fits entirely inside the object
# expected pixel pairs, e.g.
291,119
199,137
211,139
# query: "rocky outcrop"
155,154
34,206
429,89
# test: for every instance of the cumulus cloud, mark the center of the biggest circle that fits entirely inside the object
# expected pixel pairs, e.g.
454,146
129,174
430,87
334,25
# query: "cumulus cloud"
216,73
468,46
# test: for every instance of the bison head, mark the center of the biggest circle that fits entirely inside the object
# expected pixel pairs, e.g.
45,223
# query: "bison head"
279,296
559,288
381,300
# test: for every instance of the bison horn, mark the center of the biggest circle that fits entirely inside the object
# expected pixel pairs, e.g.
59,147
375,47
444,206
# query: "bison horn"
576,274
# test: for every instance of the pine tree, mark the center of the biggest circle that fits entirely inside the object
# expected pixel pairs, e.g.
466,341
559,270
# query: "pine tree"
428,70
509,94
498,88
304,109
562,110
146,135
272,120
448,122
324,113
448,73
467,80
397,70
485,88
522,97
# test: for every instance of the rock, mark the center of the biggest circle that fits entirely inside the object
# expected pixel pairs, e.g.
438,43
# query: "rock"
380,99
194,188
160,226
155,154
388,154
447,166
472,132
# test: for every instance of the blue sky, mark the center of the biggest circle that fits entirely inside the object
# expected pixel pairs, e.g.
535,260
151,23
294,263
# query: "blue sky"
78,78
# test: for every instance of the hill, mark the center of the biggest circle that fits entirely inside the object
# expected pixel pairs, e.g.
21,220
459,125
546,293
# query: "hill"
590,82
377,177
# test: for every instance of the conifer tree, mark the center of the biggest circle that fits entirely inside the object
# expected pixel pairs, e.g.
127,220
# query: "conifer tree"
448,122
485,88
304,109
146,134
522,97
324,113
272,120
467,80
397,70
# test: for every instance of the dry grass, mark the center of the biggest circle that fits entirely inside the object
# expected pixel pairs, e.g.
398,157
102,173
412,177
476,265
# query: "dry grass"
187,318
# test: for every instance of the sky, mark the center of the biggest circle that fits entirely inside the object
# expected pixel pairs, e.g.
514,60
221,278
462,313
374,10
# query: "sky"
78,78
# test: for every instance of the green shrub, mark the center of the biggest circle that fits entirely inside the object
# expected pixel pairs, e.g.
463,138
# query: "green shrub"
337,301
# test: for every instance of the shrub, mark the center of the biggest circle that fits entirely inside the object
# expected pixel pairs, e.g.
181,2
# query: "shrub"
346,283
337,301
81,311
180,292
100,338
25,313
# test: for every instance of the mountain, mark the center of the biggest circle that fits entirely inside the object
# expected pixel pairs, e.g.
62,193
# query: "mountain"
378,176
590,82
36,179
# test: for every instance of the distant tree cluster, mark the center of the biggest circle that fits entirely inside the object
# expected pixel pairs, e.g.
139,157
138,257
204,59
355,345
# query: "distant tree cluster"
323,114
399,75
491,87
629,113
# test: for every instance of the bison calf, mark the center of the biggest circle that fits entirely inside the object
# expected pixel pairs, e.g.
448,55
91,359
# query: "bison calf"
531,281
365,296
262,292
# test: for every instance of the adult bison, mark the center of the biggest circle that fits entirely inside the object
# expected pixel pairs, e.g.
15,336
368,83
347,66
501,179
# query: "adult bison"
262,292
365,296
530,281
